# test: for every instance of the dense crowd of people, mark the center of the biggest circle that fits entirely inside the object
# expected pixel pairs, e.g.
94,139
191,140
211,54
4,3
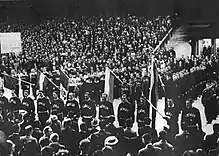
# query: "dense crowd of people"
82,49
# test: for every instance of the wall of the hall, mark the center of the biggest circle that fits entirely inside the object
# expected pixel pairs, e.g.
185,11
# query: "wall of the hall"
30,9
198,9
107,7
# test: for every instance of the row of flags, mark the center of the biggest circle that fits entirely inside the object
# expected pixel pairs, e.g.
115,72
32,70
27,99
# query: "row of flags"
43,82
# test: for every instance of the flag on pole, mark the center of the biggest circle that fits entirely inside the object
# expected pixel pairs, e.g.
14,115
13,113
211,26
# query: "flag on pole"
153,94
110,78
20,87
64,79
10,82
40,80
45,84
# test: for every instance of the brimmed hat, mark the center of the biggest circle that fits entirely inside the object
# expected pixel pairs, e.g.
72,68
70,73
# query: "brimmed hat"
111,141
94,123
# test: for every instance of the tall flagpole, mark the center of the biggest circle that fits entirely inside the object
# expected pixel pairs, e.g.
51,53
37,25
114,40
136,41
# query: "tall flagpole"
151,86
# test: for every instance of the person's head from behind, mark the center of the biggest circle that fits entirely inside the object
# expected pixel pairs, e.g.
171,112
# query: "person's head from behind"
108,151
62,152
67,123
47,151
84,146
16,128
189,153
28,130
47,131
163,135
54,137
200,152
83,127
146,138
36,124
98,153
129,123
102,124
44,142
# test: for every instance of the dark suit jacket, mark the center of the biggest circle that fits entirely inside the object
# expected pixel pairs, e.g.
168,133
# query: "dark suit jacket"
150,150
214,152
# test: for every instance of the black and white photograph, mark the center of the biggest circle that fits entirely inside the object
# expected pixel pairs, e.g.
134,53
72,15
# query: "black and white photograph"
109,77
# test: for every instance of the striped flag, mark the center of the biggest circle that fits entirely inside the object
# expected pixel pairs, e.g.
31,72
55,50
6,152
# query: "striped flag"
110,78
153,94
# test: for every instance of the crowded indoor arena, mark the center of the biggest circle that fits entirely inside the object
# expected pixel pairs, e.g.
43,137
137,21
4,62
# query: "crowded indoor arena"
109,78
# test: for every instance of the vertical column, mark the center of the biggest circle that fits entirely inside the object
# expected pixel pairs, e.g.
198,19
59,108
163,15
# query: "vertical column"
213,46
197,47
193,46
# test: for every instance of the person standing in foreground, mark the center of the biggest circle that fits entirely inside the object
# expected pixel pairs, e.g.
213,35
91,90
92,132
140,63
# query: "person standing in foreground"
191,116
43,110
88,109
28,104
125,111
106,111
149,149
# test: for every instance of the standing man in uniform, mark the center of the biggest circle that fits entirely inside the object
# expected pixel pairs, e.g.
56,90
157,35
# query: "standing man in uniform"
142,111
3,103
43,108
125,111
106,111
191,116
28,104
88,109
72,105
33,80
171,117
210,102
57,104
14,102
